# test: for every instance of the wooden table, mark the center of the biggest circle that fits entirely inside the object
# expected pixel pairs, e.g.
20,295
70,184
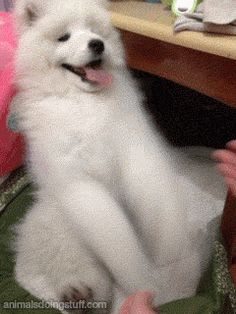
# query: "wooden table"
203,62
199,61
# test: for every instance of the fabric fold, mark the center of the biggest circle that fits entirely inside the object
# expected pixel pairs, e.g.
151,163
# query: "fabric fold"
214,16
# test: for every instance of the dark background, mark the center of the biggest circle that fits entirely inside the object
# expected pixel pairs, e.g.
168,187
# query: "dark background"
187,117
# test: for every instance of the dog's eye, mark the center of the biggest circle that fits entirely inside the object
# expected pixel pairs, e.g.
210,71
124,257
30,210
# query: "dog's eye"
64,37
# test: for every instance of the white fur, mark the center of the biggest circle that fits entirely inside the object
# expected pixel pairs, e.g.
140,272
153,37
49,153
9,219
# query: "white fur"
109,212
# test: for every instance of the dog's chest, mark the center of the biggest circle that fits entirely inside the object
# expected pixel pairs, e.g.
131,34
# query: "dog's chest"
78,138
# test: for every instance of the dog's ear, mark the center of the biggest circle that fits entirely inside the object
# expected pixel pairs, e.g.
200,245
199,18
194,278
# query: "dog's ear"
31,14
27,12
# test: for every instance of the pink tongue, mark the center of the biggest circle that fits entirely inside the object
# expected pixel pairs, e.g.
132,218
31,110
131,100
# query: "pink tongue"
99,76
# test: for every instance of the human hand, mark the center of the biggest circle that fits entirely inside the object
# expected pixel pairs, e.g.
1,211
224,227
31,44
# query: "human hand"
227,164
139,303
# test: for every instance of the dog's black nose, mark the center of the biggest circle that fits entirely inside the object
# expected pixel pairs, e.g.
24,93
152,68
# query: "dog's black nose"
97,46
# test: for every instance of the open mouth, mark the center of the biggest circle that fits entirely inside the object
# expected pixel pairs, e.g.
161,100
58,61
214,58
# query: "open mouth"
92,72
81,71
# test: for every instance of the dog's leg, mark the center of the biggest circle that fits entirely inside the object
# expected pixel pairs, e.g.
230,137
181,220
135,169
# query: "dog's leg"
105,228
151,191
52,262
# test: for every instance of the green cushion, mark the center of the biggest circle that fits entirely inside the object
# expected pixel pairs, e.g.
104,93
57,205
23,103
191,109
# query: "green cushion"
216,292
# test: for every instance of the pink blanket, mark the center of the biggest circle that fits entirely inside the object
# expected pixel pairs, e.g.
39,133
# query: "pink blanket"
11,143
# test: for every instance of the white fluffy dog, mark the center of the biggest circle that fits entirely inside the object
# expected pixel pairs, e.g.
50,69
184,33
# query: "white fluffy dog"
107,213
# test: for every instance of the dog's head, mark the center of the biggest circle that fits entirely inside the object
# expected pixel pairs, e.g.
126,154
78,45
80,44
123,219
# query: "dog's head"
72,38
